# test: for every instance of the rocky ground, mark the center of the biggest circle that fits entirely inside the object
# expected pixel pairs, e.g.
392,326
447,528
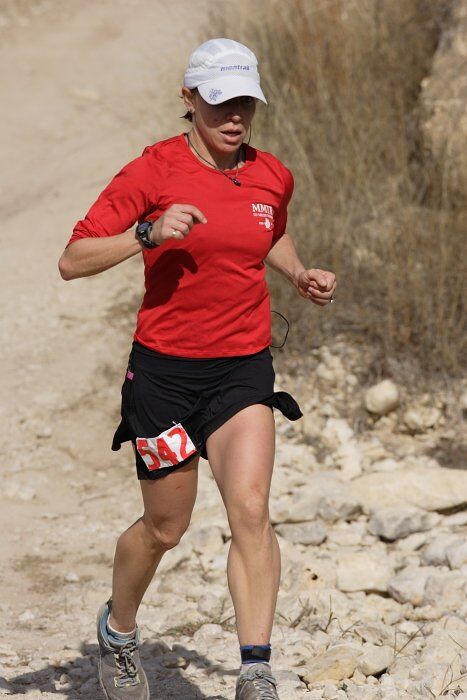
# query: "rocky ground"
369,491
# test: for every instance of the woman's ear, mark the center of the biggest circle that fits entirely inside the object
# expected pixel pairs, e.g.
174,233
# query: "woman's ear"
188,95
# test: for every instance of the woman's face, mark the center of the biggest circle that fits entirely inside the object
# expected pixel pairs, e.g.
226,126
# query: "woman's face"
222,127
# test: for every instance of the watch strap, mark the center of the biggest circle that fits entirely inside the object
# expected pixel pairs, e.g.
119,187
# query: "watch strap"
143,233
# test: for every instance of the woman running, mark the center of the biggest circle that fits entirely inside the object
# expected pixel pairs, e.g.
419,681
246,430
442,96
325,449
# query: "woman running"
211,210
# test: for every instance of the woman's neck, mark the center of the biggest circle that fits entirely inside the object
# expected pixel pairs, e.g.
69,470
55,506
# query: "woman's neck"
217,160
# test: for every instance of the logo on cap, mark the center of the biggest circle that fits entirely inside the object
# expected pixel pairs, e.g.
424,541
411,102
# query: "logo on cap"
223,68
214,94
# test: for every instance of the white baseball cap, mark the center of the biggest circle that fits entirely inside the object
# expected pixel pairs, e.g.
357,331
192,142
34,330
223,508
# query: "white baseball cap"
222,69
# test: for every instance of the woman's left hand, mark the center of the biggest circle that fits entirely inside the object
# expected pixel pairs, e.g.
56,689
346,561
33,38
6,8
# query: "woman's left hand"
317,285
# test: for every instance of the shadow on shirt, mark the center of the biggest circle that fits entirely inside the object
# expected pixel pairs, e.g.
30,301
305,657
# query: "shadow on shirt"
164,275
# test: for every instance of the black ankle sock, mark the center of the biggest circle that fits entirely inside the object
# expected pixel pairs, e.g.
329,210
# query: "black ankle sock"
255,653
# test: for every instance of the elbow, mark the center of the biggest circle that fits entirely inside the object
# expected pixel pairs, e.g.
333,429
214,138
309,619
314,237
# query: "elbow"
65,269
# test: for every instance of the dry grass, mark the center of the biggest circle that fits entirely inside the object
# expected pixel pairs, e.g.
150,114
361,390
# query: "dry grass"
342,78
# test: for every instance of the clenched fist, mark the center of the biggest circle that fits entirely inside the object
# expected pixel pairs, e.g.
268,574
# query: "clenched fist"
317,285
176,222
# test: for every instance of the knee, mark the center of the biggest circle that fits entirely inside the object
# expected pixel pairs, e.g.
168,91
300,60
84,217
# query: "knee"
164,535
250,514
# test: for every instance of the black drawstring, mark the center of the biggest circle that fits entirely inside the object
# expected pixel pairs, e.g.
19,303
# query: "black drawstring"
286,333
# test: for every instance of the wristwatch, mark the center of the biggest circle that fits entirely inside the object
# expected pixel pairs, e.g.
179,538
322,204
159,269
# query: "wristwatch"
143,234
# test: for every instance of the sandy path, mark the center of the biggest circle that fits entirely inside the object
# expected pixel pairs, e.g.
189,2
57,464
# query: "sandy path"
87,86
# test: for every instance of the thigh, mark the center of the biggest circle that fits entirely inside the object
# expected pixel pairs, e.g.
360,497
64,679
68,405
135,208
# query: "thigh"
241,456
171,498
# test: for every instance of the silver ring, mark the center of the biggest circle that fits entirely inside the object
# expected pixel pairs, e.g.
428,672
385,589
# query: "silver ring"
174,233
331,300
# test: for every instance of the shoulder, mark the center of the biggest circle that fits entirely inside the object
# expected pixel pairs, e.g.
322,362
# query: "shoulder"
276,168
152,162
162,149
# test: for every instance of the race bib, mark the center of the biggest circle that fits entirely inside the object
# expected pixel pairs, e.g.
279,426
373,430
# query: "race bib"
169,448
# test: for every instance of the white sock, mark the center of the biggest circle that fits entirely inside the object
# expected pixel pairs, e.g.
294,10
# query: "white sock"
120,635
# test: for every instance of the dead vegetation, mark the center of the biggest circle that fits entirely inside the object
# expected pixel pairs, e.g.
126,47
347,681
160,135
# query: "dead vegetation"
342,78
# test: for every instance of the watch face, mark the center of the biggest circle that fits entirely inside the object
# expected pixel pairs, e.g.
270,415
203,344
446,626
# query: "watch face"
143,232
145,227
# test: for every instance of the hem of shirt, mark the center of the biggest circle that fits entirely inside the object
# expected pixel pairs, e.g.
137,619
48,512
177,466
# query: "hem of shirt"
175,352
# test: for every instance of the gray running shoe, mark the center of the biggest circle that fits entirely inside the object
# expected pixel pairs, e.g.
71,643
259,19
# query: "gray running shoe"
121,675
256,683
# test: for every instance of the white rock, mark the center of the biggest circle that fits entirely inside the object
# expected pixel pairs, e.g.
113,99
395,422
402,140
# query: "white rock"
375,632
434,676
336,432
413,542
174,557
445,589
382,397
336,663
325,494
300,507
420,418
349,458
361,692
15,490
303,533
363,571
435,553
27,616
72,577
205,541
408,585
331,370
446,642
375,659
385,465
346,534
329,691
210,605
393,522
219,562
456,555
430,489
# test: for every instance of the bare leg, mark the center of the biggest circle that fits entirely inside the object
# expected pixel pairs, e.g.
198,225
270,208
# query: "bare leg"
241,455
168,504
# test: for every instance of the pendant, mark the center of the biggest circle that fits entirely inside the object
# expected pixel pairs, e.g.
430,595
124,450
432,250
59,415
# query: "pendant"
236,182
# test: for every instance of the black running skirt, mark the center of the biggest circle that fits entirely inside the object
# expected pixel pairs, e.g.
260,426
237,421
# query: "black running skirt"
171,405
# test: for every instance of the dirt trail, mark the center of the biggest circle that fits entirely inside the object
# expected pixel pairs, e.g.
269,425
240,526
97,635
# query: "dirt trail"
87,86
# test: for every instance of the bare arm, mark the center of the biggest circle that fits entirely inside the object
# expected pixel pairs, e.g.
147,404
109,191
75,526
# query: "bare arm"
89,256
314,284
284,259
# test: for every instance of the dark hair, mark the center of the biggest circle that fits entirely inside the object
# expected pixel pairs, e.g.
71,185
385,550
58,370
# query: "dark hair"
188,115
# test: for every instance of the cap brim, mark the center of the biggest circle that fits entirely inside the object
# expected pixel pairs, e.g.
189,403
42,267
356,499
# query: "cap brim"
214,92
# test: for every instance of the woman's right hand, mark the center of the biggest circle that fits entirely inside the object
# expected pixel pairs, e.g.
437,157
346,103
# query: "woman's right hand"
176,222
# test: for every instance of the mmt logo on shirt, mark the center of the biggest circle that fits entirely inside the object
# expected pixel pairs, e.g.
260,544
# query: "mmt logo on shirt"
264,212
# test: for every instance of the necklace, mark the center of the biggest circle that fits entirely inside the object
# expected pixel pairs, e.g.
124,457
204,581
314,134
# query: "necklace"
234,179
